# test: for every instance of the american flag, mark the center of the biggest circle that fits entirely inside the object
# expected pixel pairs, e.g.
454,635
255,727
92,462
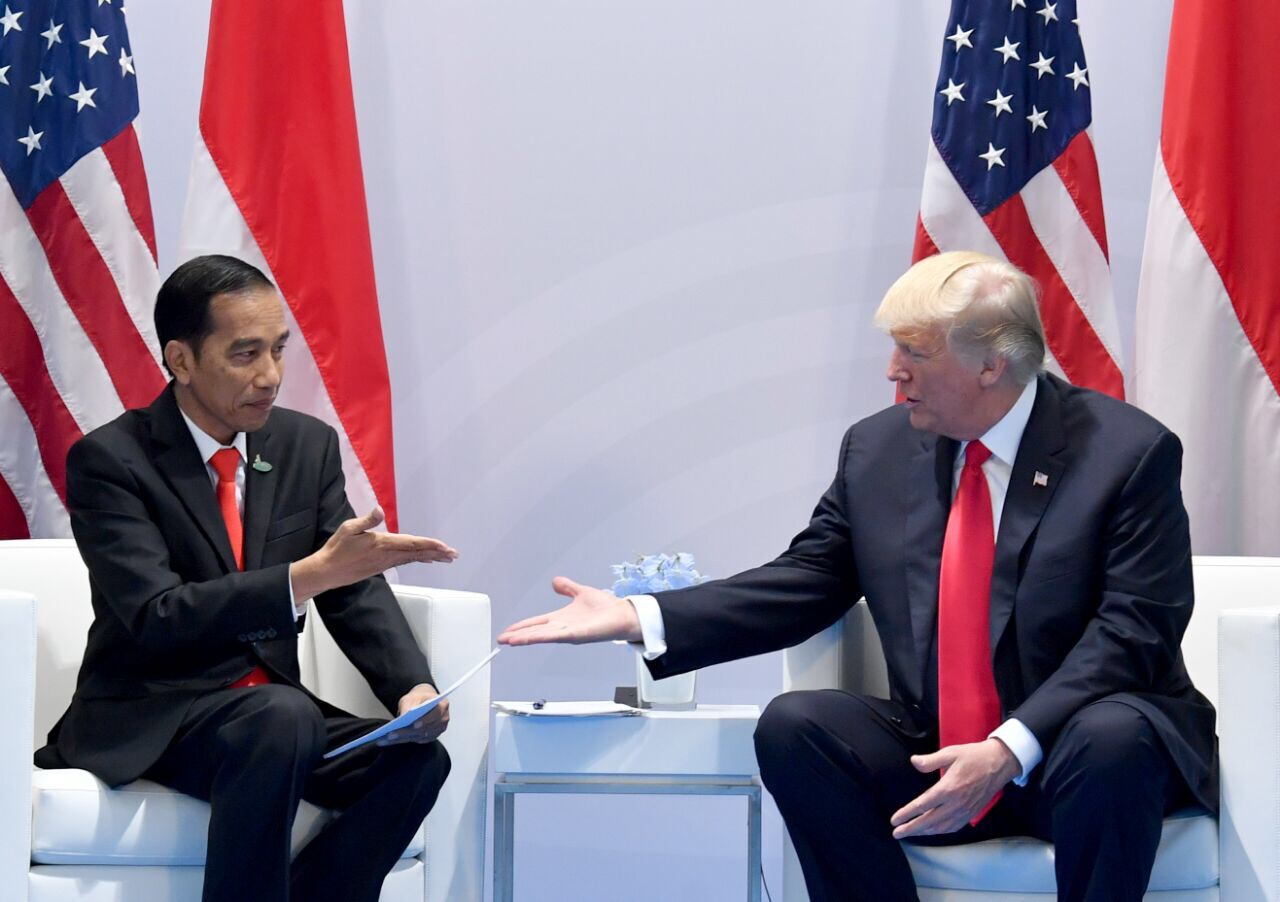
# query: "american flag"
78,271
1011,171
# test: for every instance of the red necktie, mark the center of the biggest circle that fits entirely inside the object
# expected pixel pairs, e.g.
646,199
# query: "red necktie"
225,462
968,706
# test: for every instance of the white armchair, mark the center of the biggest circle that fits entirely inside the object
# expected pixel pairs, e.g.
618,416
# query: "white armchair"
64,835
1233,657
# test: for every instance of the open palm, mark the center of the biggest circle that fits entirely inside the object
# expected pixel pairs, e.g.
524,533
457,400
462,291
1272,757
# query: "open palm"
592,615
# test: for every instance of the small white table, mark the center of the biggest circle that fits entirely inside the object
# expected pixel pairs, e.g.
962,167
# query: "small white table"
707,751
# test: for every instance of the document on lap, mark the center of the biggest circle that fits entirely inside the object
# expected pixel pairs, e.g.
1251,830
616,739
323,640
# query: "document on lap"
413,714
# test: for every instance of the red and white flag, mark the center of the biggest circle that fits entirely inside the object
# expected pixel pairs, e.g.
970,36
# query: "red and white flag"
1208,325
276,181
78,274
1011,172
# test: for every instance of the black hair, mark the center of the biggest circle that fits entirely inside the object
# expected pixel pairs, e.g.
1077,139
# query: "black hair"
182,304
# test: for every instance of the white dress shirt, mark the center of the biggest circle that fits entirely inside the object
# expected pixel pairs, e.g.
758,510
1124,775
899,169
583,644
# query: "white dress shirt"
208,446
1002,440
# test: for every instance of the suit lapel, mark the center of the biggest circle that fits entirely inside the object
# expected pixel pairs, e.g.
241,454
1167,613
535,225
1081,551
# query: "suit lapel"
259,495
179,463
928,498
1035,477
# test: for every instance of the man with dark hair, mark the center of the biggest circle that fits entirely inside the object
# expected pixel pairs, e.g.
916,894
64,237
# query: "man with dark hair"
1024,552
208,521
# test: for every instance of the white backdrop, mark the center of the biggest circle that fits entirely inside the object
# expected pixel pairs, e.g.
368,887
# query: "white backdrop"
627,254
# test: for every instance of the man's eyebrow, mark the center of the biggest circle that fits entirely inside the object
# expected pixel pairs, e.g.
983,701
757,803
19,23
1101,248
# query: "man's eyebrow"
245,344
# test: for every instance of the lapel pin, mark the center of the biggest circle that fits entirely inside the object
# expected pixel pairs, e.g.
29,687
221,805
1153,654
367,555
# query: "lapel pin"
1040,479
263,467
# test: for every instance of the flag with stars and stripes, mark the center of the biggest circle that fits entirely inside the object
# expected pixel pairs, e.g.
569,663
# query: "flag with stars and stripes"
1011,172
78,274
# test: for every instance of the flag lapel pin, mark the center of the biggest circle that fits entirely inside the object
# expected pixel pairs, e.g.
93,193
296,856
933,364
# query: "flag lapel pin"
1040,479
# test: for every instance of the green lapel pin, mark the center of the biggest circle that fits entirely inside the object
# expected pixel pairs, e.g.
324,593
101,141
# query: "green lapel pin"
261,465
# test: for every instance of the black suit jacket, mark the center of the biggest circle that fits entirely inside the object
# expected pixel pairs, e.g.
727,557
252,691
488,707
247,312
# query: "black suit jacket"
173,617
1090,595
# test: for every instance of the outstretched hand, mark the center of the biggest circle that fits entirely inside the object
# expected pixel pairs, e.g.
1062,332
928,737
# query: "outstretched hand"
592,615
356,551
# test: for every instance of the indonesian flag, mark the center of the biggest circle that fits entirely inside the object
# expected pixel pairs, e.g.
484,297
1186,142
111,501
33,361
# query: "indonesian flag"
276,181
1208,325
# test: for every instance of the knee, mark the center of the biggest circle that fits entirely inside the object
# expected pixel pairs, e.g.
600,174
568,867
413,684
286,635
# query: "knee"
427,764
1105,744
783,726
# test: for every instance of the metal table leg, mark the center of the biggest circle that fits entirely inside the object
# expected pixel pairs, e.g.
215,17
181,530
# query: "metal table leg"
504,824
753,845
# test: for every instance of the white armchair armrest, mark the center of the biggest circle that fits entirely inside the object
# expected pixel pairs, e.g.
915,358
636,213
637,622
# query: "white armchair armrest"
846,655
17,714
454,630
1249,753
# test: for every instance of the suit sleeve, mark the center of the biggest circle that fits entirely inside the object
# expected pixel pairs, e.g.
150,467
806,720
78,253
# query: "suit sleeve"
127,556
1132,641
802,591
364,618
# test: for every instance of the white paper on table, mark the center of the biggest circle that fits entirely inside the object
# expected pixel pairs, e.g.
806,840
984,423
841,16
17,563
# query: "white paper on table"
568,709
413,714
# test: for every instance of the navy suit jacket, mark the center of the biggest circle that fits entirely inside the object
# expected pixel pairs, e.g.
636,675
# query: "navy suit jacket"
1090,595
173,617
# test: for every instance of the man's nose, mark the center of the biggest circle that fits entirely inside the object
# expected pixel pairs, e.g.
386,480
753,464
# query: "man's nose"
896,372
269,373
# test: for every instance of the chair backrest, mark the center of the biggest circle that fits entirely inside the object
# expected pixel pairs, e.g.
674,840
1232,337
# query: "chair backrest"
848,654
1224,583
52,571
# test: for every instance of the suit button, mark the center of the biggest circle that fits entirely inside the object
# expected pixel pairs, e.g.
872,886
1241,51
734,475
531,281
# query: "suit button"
271,633
242,638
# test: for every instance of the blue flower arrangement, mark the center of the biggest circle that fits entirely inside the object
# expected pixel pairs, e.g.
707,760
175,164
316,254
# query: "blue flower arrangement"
655,573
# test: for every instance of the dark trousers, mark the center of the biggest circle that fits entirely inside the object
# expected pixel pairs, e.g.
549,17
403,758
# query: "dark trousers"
254,753
838,768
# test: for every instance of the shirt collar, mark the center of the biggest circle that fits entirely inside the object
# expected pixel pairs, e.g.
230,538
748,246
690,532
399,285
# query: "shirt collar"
1003,439
207,444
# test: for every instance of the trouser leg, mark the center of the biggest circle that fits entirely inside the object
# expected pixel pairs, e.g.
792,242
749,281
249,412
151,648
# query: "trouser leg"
838,770
1108,782
249,753
381,795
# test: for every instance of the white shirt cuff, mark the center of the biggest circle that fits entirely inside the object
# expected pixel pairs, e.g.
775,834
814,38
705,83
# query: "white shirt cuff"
652,629
293,605
1023,743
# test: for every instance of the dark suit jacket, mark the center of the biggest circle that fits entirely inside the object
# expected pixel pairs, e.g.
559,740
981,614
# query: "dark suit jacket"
173,617
1090,595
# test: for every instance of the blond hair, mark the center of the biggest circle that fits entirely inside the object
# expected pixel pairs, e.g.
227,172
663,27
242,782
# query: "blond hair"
983,306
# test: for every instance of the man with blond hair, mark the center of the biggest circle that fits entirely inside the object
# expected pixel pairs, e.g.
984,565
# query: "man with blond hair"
1024,551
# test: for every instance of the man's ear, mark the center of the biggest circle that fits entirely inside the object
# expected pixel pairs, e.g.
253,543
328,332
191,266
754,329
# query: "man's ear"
993,369
179,356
